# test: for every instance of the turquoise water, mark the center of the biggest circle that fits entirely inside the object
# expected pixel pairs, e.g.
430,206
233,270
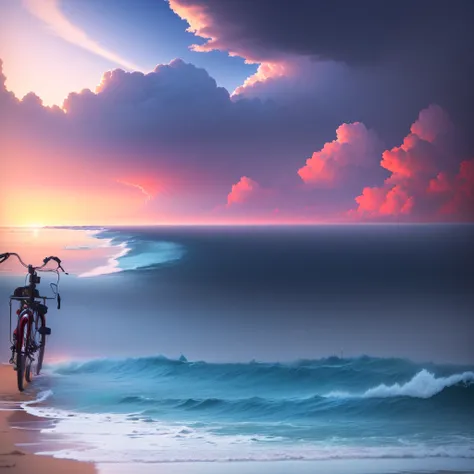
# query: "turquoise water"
137,252
310,409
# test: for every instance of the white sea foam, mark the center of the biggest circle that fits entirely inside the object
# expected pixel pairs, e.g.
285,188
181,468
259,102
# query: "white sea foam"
42,396
108,437
10,405
112,264
152,253
337,466
423,385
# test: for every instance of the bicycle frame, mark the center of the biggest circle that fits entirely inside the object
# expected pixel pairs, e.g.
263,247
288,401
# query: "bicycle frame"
21,310
26,315
31,320
26,302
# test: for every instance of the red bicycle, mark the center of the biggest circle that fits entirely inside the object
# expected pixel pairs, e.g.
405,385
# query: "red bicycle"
29,336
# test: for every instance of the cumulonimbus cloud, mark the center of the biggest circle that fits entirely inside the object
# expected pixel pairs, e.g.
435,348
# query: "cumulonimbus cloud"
416,186
49,12
355,146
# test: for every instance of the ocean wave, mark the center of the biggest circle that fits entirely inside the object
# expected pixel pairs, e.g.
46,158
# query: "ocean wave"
159,410
112,264
41,397
423,385
256,390
134,253
410,379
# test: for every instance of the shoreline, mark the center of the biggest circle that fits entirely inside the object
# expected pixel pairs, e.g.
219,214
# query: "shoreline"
15,457
20,440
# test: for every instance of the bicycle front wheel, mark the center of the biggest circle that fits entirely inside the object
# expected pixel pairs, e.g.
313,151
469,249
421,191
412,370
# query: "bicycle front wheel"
23,333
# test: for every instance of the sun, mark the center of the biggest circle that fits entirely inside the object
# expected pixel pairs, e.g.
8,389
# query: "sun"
35,228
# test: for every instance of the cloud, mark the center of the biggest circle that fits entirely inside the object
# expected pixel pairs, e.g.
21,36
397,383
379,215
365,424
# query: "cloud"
417,187
353,33
432,122
440,184
265,72
172,131
6,97
354,61
184,147
455,193
385,202
49,12
147,195
242,191
355,146
420,153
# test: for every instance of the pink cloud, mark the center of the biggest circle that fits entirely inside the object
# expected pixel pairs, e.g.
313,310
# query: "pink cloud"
377,201
417,187
408,160
418,153
371,200
441,184
466,173
397,201
265,72
200,24
355,145
242,191
432,122
460,193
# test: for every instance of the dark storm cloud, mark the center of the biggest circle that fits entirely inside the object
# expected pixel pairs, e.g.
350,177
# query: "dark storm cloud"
359,32
399,54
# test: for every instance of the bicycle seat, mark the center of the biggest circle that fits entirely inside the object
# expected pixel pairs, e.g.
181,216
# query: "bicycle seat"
24,291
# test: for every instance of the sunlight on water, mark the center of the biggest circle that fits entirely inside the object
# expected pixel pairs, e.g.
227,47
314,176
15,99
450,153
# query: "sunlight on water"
79,250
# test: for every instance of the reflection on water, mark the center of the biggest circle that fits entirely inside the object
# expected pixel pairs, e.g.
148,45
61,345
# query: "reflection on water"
79,250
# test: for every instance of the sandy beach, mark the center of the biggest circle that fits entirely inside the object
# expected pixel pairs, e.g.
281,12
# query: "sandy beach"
15,460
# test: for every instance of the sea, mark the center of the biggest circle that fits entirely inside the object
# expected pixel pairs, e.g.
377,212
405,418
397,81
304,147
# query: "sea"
300,349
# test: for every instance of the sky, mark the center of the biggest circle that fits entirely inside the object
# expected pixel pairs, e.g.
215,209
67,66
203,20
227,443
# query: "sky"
204,111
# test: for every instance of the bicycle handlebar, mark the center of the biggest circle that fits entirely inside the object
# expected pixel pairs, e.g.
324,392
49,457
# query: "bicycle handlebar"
56,259
5,256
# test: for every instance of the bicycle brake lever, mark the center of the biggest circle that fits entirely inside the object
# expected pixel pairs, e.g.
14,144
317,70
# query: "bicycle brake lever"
61,268
59,301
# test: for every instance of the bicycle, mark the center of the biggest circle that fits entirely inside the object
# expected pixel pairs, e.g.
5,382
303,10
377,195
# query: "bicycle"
29,337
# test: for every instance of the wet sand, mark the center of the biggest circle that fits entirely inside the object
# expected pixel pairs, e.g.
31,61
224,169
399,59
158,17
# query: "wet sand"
15,459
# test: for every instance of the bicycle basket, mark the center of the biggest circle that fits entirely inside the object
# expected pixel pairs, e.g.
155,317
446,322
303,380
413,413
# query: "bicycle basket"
24,292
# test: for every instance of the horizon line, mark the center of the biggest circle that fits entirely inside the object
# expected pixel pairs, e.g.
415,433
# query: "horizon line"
234,224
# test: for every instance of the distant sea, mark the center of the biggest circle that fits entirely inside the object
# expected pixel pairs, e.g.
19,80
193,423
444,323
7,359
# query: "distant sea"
194,345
